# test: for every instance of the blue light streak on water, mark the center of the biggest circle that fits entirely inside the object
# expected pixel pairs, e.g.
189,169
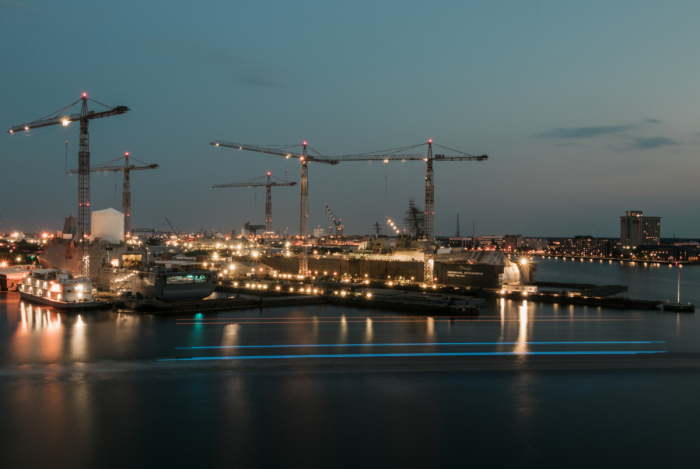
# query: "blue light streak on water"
376,355
422,344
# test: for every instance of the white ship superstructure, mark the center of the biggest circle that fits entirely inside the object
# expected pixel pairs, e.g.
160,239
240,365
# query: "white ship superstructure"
57,288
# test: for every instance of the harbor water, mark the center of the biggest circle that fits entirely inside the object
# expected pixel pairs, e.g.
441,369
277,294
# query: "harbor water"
325,386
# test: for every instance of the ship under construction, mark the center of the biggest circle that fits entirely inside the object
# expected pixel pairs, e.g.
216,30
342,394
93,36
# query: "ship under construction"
403,259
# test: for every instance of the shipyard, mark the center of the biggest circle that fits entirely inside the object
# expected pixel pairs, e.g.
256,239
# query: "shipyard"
349,234
125,266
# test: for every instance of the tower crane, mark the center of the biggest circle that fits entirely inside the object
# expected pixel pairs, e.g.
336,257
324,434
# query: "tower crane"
126,192
288,152
336,222
390,155
258,182
85,116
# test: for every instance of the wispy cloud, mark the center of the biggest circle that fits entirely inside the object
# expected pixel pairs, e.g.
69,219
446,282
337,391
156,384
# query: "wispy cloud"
652,142
586,132
625,136
246,71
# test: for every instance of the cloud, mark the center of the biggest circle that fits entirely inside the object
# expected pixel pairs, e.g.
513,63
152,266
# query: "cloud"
652,142
586,132
247,72
653,121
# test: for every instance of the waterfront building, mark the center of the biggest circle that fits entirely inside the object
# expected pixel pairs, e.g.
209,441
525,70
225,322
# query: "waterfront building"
489,242
510,242
587,246
637,230
667,252
534,244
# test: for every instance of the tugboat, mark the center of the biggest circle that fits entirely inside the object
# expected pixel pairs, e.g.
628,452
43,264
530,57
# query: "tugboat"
678,307
57,288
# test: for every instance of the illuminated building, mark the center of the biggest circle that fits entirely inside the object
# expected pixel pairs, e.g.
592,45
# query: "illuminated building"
637,230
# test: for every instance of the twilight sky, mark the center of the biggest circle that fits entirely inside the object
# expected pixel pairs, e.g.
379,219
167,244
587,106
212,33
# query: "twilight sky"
586,109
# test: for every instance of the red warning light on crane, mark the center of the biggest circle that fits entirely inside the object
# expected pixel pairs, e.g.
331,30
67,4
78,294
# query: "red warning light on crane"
430,140
268,173
126,154
304,143
84,95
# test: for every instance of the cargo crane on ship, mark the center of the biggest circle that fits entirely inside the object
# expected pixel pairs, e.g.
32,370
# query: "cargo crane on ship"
337,222
110,166
268,184
84,117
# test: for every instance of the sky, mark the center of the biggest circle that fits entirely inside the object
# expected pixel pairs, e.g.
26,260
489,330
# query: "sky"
585,109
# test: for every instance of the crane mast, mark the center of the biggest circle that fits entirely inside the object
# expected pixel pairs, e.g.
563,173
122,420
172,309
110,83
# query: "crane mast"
429,258
268,205
84,187
84,117
126,197
304,214
126,191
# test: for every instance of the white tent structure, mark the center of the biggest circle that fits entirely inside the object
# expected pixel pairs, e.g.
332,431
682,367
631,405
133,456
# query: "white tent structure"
108,225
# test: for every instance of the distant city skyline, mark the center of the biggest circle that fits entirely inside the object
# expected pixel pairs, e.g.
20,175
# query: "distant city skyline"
585,110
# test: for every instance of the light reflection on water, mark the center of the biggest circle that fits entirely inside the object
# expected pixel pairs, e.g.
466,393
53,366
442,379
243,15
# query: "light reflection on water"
115,394
522,346
42,335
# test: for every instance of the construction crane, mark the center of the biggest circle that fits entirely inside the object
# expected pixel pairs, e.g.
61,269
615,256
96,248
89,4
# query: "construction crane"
175,230
336,222
126,192
258,182
391,155
287,152
305,158
85,116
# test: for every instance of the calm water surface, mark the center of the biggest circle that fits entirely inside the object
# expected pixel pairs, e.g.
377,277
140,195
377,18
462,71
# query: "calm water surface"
121,390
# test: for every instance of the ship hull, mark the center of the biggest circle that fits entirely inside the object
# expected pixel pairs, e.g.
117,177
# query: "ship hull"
59,304
447,273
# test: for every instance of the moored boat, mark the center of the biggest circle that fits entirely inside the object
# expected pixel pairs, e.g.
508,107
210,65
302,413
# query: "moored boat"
57,288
